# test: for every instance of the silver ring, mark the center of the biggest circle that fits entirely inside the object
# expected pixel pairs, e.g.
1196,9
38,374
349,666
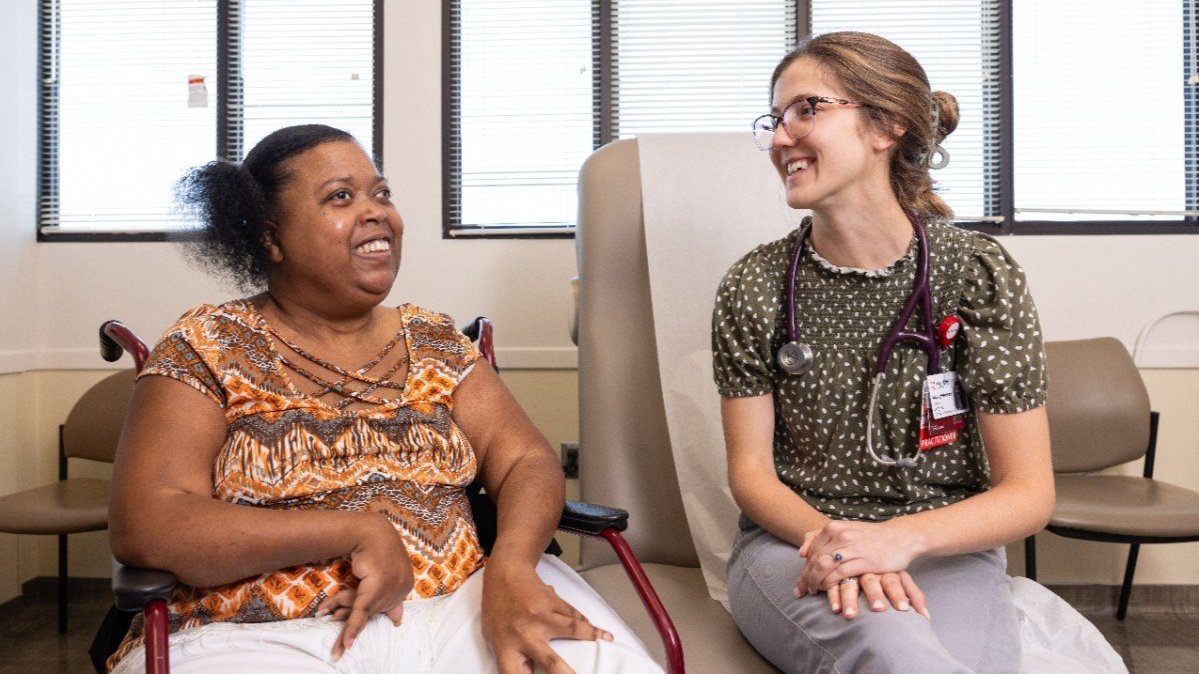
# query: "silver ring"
849,581
837,557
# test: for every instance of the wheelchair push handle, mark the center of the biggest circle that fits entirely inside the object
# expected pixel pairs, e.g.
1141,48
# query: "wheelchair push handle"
116,339
482,330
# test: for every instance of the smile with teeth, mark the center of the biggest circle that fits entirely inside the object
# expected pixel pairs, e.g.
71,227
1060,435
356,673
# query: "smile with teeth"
796,165
376,246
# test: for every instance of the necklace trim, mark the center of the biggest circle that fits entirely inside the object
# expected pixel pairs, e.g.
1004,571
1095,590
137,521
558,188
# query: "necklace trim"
349,395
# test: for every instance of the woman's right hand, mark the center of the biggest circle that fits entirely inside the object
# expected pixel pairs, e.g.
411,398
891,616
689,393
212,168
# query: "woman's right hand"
380,562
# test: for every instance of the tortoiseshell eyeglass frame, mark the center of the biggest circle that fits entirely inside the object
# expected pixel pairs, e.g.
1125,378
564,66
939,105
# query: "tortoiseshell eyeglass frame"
765,125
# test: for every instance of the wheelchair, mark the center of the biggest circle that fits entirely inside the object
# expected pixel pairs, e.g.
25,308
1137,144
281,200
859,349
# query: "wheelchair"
147,590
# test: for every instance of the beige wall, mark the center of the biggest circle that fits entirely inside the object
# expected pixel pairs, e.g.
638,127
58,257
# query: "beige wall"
55,295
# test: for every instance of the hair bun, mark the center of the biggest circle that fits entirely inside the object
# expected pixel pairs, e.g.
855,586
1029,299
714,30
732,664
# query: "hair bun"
949,114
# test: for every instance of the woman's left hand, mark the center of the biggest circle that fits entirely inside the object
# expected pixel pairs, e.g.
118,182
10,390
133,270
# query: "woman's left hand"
895,590
843,549
520,616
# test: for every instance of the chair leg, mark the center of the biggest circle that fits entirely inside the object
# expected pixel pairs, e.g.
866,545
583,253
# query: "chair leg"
1126,590
1030,557
62,584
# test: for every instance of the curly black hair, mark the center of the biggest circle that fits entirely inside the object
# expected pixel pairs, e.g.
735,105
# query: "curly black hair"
233,203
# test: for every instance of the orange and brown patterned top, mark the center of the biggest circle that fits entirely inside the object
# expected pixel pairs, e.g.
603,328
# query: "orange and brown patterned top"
286,449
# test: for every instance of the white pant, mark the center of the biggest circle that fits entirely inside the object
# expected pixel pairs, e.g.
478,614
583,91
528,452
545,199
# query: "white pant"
442,635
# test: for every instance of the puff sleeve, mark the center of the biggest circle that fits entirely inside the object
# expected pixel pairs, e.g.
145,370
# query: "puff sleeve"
1002,363
742,330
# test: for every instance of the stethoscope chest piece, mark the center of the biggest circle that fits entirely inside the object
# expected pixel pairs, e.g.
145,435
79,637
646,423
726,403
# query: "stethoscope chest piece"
795,358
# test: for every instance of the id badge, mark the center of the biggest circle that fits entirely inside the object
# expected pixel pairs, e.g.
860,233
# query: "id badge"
944,394
942,411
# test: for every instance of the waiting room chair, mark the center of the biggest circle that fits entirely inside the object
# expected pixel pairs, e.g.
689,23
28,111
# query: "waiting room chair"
1099,417
625,451
74,504
148,590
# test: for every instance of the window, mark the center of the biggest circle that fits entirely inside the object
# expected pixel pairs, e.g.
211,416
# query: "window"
1101,121
954,41
1077,117
135,92
532,88
521,121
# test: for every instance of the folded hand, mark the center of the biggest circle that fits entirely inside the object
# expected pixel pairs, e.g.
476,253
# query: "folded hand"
843,549
896,590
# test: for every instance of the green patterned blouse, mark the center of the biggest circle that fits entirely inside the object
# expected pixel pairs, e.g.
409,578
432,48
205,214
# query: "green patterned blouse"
845,314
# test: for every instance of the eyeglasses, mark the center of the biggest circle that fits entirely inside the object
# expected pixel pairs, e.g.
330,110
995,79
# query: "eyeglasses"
798,120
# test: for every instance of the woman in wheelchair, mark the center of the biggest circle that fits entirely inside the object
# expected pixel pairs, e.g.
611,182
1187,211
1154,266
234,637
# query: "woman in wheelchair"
298,458
875,496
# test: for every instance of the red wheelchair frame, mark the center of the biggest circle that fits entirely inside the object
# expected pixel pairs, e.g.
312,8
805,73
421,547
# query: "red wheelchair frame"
148,591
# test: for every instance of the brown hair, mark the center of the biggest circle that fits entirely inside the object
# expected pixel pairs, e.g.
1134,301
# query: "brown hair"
896,92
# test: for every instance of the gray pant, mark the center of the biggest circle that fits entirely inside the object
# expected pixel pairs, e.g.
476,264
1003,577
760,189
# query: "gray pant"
973,627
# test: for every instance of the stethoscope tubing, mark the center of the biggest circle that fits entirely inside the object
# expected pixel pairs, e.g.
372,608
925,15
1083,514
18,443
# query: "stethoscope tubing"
921,296
792,273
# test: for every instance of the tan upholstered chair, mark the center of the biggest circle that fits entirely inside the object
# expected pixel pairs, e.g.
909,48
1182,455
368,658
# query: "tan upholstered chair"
625,454
1099,417
74,505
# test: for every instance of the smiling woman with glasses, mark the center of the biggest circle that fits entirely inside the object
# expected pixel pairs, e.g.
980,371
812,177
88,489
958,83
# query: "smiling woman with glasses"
877,482
798,119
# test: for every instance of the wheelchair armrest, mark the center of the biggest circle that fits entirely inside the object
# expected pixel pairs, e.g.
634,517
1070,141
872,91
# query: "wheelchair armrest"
589,519
592,519
135,587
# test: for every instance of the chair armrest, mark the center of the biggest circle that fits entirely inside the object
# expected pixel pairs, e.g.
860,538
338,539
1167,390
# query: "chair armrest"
592,519
135,587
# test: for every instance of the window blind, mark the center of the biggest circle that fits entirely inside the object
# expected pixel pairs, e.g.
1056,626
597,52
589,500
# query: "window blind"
958,45
534,86
1101,115
520,120
300,62
132,91
117,127
696,66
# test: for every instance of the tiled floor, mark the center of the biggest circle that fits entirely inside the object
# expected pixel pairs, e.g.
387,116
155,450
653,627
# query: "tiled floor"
29,639
1154,643
1150,643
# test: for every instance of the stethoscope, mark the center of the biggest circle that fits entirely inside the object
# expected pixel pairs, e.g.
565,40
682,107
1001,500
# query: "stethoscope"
795,358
